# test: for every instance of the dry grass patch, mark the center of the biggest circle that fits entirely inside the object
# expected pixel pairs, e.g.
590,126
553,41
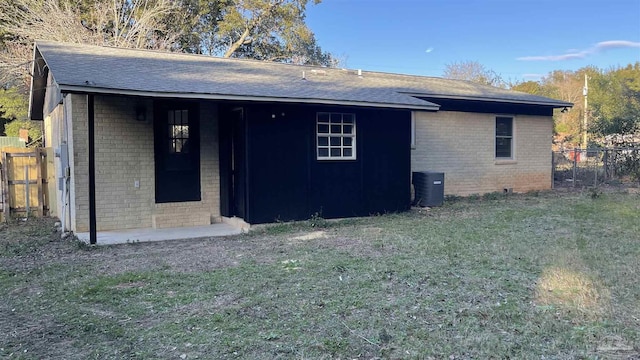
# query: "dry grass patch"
572,291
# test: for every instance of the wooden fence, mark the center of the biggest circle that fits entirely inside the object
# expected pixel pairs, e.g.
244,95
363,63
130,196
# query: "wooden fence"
23,182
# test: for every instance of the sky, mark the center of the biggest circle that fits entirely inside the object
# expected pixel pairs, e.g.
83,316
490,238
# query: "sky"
519,39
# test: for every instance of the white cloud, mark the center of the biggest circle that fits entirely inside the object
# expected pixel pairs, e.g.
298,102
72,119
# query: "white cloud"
429,50
532,76
581,54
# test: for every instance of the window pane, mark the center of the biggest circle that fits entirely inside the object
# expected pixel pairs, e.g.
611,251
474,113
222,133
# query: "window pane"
336,129
504,126
185,117
170,117
347,129
347,141
347,118
347,152
323,117
323,129
335,141
323,141
335,152
503,147
336,118
323,152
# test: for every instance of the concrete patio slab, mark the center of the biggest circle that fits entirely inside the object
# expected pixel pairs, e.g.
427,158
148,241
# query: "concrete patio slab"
144,235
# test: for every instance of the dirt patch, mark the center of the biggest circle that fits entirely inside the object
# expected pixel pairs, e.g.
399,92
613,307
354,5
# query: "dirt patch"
19,331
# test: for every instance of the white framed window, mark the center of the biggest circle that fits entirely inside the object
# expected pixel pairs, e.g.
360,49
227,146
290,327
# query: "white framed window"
335,136
504,137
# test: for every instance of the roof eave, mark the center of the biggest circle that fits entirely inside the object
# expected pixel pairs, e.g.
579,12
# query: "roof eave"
38,86
554,104
99,90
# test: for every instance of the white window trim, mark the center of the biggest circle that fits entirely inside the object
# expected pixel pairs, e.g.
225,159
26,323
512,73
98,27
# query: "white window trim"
353,146
511,159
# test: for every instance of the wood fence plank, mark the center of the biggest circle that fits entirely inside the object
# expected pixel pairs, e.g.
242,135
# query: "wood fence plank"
5,189
13,161
39,181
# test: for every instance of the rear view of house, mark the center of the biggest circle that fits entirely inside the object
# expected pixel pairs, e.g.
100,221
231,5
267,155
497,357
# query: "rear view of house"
151,140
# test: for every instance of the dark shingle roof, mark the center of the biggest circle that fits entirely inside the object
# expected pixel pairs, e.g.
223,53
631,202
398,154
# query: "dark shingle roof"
114,70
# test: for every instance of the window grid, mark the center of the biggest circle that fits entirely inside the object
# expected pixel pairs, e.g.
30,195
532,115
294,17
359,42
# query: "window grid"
504,137
178,131
336,136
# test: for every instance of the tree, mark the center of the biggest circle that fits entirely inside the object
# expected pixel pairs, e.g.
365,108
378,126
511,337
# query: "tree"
197,26
122,23
13,114
13,105
530,87
614,99
567,86
35,129
473,71
271,30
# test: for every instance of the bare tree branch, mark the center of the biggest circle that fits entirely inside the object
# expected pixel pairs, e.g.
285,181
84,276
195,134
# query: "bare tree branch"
121,23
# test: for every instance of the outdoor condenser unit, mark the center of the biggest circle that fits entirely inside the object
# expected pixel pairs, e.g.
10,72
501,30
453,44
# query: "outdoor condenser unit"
429,188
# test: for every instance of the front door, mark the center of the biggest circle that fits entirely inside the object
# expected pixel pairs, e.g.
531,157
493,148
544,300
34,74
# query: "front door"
177,151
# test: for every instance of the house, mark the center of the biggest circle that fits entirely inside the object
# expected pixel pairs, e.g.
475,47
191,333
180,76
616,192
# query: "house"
153,139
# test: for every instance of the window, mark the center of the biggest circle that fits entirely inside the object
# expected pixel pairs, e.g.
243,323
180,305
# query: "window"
178,121
336,136
504,137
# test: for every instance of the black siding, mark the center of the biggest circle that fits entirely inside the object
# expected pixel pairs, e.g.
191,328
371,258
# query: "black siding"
488,107
286,182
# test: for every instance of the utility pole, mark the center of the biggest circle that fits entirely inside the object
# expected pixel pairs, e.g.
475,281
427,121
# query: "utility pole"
585,123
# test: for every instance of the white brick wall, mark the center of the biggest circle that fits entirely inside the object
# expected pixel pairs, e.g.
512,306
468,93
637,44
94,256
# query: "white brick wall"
125,153
462,146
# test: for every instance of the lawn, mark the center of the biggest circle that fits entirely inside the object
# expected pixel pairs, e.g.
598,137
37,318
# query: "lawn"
539,276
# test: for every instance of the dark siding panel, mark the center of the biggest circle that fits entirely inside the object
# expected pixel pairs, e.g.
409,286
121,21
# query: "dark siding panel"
387,160
278,164
488,107
287,182
336,189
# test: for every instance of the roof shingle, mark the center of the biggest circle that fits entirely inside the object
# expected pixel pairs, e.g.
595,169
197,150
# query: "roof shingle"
114,70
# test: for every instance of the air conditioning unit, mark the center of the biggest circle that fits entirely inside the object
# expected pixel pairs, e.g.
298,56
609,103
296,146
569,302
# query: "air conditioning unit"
429,188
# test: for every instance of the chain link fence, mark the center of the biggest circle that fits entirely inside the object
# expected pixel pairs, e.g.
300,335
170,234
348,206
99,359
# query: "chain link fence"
597,166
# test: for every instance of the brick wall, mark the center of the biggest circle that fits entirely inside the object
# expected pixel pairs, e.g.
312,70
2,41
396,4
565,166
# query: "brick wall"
125,155
462,146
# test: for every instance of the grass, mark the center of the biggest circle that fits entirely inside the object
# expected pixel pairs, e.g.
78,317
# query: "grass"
525,276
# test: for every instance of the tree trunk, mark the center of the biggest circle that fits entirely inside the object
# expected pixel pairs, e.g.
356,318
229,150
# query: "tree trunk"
237,44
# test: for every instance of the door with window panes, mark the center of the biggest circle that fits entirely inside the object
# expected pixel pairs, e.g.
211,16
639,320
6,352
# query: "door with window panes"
177,152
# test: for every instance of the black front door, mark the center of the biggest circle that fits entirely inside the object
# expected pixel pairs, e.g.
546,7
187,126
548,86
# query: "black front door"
177,151
233,171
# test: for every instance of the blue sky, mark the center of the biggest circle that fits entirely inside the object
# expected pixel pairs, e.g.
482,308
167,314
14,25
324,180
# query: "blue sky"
519,39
